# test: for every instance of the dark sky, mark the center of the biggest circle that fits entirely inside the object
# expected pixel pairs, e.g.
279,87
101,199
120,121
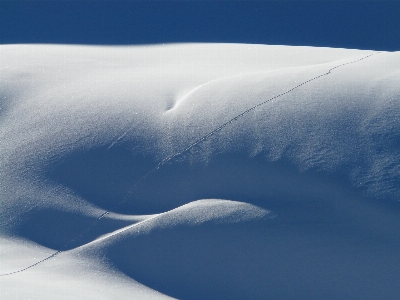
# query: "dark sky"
347,24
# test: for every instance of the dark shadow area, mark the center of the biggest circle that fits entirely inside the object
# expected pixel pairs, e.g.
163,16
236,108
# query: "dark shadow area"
259,260
112,179
372,25
102,176
107,177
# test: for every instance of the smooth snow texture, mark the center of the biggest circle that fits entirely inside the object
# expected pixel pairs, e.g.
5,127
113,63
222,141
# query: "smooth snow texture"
199,171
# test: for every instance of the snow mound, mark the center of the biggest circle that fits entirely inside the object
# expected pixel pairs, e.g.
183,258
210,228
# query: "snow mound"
115,162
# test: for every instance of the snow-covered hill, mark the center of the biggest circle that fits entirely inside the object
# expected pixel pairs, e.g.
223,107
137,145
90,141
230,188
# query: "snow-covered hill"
199,171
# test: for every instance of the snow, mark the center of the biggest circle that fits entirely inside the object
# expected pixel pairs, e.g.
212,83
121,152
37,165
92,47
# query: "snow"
199,171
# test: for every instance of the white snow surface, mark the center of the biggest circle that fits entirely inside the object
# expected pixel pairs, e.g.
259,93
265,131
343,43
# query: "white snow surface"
199,171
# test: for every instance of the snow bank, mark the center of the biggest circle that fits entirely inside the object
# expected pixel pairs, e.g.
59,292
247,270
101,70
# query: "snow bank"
202,171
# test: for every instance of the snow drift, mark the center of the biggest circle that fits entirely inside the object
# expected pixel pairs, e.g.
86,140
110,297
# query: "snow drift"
199,171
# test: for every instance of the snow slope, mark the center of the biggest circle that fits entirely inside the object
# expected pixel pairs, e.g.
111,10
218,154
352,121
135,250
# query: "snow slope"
199,171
